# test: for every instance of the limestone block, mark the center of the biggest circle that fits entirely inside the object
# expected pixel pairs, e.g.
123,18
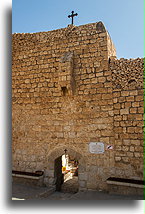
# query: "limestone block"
124,111
49,173
32,165
83,176
82,184
117,159
46,181
50,181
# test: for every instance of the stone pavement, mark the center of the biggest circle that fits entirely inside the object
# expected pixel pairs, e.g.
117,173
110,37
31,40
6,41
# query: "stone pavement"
20,192
91,195
97,195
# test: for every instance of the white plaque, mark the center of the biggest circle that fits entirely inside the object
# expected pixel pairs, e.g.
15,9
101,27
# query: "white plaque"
96,147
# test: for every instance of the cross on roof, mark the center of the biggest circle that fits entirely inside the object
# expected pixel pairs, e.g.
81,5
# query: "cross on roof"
72,16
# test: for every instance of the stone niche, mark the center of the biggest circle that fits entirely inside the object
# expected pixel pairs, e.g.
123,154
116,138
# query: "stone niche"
66,74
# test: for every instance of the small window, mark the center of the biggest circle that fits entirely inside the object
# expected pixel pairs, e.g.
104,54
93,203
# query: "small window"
132,81
64,91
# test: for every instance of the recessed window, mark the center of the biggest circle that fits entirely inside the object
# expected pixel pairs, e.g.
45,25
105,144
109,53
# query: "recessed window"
64,91
131,81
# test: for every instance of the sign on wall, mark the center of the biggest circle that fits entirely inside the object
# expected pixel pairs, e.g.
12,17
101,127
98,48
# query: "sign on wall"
96,147
109,147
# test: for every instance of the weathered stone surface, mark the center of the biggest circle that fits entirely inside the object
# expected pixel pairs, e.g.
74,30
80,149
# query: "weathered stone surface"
68,89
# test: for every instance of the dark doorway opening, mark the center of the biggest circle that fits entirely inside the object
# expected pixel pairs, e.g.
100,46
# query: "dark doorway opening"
66,174
58,173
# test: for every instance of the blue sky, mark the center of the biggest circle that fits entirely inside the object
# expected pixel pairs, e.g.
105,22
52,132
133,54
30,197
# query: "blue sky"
122,18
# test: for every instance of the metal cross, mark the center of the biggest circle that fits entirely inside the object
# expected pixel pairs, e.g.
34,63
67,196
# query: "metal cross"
72,16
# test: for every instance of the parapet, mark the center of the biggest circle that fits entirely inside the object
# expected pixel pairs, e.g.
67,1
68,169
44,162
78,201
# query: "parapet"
73,34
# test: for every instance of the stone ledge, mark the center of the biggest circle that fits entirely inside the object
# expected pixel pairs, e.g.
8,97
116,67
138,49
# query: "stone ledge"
126,184
27,176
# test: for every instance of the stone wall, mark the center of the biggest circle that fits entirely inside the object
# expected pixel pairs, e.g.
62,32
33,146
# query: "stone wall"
127,80
65,94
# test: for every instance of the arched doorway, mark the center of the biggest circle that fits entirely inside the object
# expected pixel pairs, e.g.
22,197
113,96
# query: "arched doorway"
66,174
54,177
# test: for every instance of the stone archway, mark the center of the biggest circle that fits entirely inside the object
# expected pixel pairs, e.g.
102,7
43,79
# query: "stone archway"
49,179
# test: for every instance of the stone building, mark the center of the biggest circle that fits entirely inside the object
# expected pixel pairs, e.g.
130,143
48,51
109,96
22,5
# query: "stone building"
70,93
